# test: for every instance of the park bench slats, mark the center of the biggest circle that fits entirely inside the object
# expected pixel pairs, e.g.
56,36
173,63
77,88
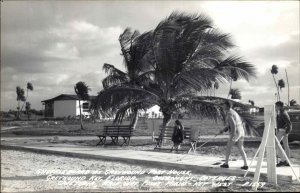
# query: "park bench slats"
167,132
114,132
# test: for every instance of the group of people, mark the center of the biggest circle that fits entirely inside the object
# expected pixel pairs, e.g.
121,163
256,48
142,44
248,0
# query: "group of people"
235,126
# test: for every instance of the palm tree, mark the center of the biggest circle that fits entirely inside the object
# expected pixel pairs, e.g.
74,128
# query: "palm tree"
281,84
234,78
287,81
137,72
274,71
20,97
235,93
216,87
81,89
29,87
185,54
293,102
251,102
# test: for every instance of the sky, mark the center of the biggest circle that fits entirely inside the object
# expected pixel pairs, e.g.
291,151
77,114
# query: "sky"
55,44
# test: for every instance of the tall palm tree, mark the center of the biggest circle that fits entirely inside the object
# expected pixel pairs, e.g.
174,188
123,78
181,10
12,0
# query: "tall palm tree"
82,91
185,54
274,71
29,87
20,97
287,81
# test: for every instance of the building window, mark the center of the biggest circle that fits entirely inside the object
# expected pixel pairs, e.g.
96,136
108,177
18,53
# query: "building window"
85,107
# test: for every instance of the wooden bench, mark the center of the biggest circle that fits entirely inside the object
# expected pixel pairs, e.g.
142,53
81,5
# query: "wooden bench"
114,132
167,132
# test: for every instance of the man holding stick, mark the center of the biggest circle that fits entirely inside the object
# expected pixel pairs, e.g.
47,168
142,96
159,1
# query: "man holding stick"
236,134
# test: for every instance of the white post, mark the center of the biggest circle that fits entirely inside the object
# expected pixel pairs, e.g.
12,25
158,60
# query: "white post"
268,144
271,148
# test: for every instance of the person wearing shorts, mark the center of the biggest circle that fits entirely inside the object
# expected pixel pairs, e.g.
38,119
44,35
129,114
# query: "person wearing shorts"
234,125
284,127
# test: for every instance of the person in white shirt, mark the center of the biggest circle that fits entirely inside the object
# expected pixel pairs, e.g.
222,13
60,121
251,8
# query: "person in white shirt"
234,125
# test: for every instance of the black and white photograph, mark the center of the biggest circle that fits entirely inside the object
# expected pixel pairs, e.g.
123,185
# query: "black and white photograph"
150,96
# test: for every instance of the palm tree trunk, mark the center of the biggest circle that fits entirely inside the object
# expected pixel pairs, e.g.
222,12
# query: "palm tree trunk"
287,81
166,121
135,118
18,114
81,125
277,88
25,100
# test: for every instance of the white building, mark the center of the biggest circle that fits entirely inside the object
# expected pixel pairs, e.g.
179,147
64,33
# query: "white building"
66,105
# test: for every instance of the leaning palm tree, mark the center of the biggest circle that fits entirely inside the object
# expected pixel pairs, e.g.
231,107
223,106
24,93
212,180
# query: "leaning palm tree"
20,97
274,71
81,89
185,55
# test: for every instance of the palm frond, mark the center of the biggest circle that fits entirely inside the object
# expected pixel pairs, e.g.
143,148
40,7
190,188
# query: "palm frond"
115,76
242,69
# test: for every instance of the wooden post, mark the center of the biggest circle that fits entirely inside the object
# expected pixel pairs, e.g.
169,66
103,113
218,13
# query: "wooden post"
268,144
270,147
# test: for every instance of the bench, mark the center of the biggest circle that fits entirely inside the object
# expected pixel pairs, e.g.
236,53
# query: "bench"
167,132
114,132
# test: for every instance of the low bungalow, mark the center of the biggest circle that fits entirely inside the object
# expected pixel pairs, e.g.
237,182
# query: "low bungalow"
66,105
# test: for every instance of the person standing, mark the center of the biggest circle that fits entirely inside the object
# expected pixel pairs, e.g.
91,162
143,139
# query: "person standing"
178,135
234,125
284,127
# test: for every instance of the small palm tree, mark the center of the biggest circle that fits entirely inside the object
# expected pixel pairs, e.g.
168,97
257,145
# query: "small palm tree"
251,102
235,93
216,87
281,84
81,89
293,102
20,97
274,71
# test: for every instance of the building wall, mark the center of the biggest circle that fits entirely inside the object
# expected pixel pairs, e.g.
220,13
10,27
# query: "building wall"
82,110
64,108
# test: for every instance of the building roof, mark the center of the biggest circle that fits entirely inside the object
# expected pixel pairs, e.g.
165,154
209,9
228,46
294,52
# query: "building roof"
65,97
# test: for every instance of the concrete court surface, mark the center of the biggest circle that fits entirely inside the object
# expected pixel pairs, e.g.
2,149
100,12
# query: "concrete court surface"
196,163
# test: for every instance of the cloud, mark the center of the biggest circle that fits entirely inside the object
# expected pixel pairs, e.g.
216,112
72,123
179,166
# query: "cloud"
55,44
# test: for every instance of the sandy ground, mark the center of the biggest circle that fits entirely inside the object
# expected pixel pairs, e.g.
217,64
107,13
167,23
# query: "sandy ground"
26,172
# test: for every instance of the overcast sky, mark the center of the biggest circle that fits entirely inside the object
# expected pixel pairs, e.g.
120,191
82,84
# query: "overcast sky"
55,44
